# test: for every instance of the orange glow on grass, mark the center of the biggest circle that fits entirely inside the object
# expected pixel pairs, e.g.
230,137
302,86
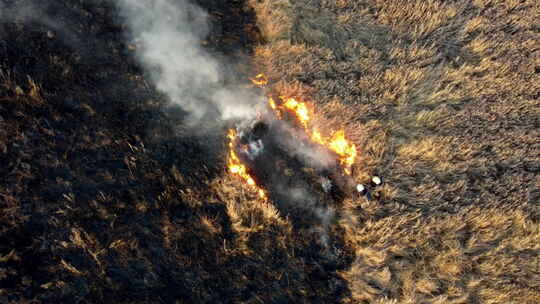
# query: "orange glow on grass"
259,80
336,142
236,166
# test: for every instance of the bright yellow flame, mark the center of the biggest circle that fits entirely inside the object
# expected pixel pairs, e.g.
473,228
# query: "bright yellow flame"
272,103
317,137
346,150
259,80
236,166
300,109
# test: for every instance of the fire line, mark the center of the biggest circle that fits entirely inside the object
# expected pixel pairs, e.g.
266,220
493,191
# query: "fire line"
301,113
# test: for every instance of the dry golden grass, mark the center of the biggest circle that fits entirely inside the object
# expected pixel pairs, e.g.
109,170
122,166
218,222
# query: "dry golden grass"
105,200
443,99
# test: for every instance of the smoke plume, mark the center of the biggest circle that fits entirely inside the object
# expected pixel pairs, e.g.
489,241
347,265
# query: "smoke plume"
168,36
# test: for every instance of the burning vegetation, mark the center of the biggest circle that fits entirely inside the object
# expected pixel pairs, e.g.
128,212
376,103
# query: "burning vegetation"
284,130
109,195
236,166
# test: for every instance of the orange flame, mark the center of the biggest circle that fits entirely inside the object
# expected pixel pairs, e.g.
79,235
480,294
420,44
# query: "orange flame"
345,149
317,137
272,103
236,166
300,109
260,80
337,142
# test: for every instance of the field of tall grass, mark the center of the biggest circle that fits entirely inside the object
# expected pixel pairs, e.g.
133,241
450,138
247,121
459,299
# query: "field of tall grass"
106,196
442,98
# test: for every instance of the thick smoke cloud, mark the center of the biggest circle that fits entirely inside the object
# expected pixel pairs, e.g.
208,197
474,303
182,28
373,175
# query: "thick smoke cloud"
168,35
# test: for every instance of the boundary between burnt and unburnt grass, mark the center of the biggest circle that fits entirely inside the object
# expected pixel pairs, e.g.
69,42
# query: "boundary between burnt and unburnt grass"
105,199
101,197
437,95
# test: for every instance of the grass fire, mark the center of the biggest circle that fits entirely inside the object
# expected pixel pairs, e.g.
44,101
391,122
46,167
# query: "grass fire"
252,142
263,151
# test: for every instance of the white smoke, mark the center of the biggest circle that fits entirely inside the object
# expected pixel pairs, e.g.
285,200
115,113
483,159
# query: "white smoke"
21,11
323,214
168,36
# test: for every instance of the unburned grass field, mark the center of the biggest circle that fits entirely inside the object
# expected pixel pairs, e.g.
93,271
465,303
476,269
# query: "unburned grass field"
108,196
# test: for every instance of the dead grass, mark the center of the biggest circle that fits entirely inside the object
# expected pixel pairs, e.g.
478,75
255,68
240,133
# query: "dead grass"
108,198
442,98
476,255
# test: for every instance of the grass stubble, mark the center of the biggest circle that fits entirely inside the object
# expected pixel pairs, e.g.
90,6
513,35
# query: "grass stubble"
442,99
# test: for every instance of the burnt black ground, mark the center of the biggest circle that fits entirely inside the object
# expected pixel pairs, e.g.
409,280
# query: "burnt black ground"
289,162
93,170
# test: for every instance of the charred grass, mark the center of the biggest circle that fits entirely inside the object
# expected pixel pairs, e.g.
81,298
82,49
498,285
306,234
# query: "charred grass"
106,197
442,98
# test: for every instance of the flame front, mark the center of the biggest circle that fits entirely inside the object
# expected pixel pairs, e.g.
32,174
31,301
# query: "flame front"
236,166
260,80
300,110
345,149
337,142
